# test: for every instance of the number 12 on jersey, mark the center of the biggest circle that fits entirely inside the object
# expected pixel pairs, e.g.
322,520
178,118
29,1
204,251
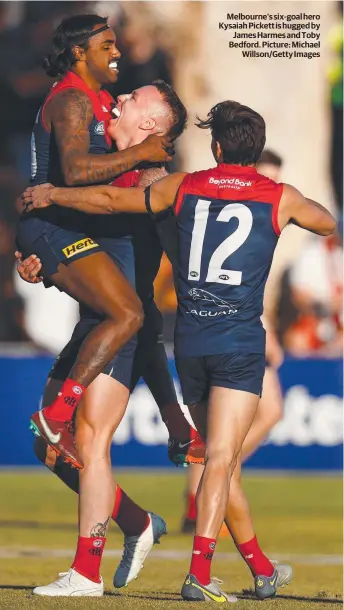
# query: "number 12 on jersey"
215,271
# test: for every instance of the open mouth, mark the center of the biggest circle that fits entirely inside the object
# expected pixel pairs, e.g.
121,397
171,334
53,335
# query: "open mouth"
116,112
113,66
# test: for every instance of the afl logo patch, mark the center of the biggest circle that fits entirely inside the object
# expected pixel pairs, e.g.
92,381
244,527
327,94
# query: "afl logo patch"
97,543
76,389
100,128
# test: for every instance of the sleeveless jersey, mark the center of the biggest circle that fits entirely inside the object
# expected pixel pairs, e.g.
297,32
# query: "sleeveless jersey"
228,231
45,158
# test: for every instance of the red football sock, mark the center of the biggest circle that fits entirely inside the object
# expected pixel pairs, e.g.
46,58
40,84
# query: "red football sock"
88,557
255,558
130,517
62,408
202,554
191,507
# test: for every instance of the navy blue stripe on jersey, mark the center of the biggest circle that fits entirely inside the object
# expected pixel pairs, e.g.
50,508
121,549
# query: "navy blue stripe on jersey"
226,248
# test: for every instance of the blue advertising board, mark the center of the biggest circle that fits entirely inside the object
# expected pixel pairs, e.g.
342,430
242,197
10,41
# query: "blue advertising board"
310,435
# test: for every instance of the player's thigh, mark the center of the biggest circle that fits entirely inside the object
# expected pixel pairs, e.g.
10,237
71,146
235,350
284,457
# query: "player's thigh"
98,282
53,243
77,265
234,377
230,415
120,250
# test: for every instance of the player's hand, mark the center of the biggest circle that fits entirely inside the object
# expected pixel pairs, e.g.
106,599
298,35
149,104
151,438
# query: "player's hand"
29,268
37,197
157,149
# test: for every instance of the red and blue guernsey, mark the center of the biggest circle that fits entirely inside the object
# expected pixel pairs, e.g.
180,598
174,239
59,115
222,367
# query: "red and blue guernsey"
228,231
45,160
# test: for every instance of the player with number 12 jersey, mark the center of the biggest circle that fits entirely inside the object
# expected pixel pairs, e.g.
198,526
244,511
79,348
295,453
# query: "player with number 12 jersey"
227,221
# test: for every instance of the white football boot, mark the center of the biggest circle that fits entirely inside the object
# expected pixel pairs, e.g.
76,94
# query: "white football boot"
71,584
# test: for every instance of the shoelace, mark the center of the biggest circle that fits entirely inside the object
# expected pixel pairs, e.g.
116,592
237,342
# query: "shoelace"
63,579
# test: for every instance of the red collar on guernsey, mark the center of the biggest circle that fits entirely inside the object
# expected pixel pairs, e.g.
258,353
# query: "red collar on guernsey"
102,98
101,102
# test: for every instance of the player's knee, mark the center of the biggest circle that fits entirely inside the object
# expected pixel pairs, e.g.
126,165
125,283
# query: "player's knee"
91,439
131,316
135,317
218,459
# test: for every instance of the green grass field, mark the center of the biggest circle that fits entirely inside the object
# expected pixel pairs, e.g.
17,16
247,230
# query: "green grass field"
296,517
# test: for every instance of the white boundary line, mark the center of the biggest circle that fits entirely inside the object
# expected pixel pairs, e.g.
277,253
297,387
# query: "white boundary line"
167,555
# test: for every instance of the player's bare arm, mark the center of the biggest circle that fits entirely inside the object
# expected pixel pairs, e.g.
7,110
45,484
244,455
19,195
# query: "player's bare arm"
162,196
70,114
104,199
303,212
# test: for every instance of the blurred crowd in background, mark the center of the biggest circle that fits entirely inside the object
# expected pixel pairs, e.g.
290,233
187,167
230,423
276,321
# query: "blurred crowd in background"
307,314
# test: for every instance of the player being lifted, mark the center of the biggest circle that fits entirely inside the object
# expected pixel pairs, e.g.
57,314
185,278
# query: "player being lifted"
229,219
71,146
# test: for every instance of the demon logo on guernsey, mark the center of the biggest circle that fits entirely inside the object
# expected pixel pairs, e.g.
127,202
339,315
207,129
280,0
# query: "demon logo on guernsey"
100,128
204,295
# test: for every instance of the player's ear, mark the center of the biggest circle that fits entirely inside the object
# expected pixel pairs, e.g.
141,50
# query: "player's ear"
148,124
216,150
79,53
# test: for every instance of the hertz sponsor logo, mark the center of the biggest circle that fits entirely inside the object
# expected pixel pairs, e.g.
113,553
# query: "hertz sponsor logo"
83,244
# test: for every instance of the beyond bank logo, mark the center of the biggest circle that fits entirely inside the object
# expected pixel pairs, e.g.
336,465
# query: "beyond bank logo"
230,182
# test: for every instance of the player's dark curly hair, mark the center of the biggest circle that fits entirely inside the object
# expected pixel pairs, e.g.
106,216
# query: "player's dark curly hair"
179,112
71,32
239,130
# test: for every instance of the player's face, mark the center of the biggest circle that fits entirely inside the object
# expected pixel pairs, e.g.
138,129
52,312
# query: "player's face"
101,57
138,114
